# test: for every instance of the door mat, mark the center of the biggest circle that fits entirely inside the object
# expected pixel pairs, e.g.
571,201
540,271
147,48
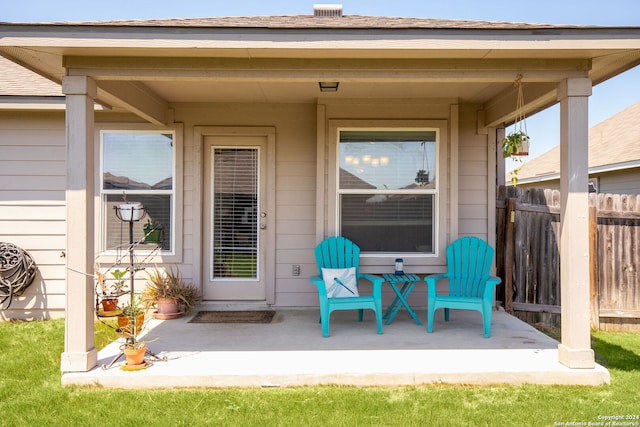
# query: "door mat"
264,316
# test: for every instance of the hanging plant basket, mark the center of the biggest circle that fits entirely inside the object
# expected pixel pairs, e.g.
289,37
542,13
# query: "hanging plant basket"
516,143
422,177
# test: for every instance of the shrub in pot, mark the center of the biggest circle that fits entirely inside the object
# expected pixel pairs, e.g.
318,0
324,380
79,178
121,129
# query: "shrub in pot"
169,293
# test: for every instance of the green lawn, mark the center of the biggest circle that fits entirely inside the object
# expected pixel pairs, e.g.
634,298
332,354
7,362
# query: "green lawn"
31,395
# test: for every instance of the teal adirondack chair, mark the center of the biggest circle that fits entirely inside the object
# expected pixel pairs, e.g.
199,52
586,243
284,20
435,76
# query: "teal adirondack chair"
470,285
338,253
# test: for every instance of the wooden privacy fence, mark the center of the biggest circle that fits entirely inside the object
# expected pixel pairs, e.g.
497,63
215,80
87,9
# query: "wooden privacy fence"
528,257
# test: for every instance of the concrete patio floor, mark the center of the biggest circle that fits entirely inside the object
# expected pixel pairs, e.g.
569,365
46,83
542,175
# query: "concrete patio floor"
290,351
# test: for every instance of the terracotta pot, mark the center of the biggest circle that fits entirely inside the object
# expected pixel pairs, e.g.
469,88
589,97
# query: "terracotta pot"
109,304
167,306
135,356
124,324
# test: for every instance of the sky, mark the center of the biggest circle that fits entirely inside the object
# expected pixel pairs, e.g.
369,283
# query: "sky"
608,98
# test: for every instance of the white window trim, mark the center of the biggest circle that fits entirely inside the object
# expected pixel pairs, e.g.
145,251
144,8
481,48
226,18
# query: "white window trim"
443,198
159,257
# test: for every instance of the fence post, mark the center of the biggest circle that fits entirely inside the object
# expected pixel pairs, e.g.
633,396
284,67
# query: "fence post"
593,266
510,218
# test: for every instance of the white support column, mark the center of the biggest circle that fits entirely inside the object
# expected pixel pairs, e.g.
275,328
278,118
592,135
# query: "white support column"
575,350
80,354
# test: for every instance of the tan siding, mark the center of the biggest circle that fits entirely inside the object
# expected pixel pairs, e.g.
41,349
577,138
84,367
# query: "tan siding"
474,227
473,180
21,168
30,302
297,213
19,183
620,182
294,198
39,158
295,241
34,242
32,208
26,212
39,228
472,197
8,197
473,212
36,152
294,226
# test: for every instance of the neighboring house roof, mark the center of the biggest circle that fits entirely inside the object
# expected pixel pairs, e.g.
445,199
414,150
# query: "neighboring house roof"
18,81
22,89
614,144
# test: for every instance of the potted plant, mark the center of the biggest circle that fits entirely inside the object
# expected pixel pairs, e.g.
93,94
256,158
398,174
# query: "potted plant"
109,292
515,144
130,211
169,293
131,320
134,352
422,177
153,232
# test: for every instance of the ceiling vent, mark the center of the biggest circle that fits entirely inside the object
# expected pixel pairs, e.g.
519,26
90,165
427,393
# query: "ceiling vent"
327,10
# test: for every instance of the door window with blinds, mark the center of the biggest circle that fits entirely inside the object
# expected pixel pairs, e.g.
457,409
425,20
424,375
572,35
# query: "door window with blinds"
235,213
138,167
387,191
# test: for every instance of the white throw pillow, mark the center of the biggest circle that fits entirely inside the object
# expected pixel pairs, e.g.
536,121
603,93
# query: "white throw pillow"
340,282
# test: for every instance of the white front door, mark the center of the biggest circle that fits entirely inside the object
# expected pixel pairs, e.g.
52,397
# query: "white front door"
235,218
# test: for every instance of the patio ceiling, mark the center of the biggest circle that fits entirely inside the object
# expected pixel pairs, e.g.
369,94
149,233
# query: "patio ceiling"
149,70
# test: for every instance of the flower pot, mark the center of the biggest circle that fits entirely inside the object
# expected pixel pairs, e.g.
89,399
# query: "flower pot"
109,304
167,306
135,356
131,211
124,324
152,235
523,148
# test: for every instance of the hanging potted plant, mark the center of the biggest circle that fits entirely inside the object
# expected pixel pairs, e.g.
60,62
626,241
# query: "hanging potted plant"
516,143
422,176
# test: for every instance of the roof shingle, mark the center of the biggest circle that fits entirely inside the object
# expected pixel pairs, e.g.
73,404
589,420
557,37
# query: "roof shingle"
18,81
316,22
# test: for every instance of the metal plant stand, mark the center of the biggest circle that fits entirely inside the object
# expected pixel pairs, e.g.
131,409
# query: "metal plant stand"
133,212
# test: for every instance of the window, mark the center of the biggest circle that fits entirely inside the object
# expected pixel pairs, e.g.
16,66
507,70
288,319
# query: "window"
138,167
387,189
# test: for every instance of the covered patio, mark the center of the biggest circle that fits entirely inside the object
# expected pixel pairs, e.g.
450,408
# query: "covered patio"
290,351
260,82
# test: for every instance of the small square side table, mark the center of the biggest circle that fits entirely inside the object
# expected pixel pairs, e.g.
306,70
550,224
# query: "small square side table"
408,282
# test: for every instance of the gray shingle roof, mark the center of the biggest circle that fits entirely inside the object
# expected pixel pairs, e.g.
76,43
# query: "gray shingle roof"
314,22
615,140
